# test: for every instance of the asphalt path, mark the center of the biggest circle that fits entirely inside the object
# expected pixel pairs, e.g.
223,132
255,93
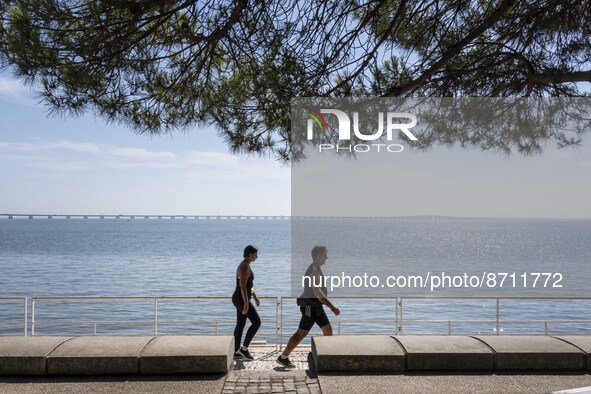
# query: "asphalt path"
452,383
114,384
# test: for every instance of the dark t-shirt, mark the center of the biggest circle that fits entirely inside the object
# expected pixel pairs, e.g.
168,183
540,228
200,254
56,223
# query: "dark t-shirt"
249,286
312,282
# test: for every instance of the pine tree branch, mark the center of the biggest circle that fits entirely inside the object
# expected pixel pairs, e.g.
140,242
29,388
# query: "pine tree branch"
453,51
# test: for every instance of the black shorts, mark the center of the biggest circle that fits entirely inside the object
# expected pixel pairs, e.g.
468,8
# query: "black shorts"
313,314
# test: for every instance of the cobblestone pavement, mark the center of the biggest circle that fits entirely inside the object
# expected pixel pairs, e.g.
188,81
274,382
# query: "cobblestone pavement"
264,375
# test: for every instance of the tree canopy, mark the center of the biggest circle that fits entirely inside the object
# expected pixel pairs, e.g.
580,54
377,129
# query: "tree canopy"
161,65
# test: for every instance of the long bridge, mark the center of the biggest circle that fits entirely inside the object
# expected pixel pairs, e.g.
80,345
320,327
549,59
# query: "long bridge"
128,216
201,217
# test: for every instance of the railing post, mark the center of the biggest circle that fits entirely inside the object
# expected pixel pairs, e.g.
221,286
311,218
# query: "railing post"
449,327
277,323
94,328
546,328
26,316
217,328
155,316
339,327
32,317
498,315
281,325
401,319
396,319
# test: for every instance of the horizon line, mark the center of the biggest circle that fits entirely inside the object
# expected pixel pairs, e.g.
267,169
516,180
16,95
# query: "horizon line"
250,216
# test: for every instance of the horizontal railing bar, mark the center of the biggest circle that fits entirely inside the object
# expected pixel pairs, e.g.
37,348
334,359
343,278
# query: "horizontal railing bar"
494,321
293,298
347,298
491,298
278,322
115,322
350,321
126,335
543,321
134,298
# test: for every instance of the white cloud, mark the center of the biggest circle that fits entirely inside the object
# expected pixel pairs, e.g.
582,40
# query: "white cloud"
76,156
64,145
141,154
83,147
18,146
15,92
61,155
80,177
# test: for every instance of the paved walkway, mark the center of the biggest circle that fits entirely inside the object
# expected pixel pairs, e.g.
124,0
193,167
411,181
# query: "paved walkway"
264,375
457,383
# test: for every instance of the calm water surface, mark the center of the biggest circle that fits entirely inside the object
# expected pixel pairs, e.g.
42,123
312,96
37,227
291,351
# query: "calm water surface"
150,257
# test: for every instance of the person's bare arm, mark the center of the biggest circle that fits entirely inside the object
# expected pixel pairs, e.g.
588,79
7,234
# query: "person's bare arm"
318,293
257,302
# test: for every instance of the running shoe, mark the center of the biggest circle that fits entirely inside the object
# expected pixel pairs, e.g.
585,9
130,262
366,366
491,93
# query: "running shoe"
285,362
238,356
245,354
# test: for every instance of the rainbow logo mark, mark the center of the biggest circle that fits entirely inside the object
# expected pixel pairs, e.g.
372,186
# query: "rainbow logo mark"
317,117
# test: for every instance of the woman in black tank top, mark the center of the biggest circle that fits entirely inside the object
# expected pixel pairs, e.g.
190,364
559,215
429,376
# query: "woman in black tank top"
244,307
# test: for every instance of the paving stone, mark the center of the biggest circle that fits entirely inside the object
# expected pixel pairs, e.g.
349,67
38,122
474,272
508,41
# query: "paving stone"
265,376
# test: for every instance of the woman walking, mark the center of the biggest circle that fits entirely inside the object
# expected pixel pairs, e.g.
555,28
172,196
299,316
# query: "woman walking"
244,307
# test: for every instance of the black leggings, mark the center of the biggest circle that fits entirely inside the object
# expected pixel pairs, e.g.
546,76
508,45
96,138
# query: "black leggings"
252,315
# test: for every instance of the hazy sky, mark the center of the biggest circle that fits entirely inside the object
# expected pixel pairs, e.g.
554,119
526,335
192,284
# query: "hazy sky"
441,181
447,182
66,165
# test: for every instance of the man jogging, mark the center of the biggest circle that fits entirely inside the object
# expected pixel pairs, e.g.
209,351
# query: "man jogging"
311,305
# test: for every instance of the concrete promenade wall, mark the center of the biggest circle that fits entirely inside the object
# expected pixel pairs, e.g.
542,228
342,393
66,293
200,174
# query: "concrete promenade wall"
207,354
116,355
382,353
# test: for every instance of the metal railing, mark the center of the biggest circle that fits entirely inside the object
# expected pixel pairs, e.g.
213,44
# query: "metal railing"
397,319
498,322
155,322
24,322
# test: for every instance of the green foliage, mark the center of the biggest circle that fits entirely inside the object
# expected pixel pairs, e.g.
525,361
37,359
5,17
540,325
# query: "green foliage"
163,65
